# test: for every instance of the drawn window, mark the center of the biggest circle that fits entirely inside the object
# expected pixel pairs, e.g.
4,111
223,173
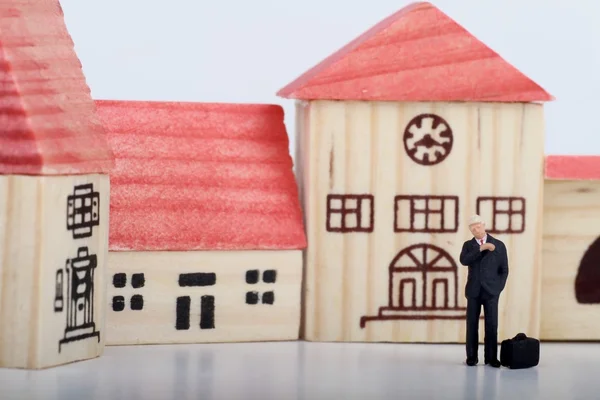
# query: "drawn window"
503,214
434,214
83,208
252,278
136,302
58,297
350,213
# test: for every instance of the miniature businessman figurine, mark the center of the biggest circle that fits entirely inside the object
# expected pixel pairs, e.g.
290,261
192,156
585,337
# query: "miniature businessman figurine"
487,260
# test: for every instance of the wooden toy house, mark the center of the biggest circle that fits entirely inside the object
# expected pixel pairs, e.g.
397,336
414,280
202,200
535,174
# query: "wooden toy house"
402,135
206,231
54,194
571,249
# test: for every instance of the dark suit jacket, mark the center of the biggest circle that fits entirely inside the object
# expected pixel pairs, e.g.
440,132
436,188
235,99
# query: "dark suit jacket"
487,269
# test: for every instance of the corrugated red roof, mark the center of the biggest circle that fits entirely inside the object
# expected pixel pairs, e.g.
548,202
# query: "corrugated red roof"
572,167
199,176
48,124
416,54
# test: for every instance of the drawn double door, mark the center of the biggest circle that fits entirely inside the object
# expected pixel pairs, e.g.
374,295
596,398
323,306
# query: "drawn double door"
184,309
423,277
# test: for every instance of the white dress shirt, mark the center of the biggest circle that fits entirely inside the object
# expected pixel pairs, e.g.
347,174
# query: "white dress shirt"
482,241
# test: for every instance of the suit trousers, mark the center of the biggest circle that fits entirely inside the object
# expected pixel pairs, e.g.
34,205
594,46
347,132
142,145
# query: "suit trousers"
490,311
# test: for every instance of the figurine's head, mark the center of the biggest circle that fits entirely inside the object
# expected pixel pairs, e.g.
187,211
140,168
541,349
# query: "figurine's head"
477,226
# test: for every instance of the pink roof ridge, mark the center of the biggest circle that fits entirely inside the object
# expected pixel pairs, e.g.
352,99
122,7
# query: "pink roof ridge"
201,176
48,124
572,167
417,54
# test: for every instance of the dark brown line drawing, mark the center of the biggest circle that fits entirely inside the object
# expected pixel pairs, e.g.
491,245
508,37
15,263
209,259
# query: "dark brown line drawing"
59,300
493,228
510,210
83,211
268,297
427,210
80,323
413,283
344,210
207,312
118,303
207,302
587,281
183,308
410,270
136,302
182,313
252,277
197,279
252,297
119,281
434,139
444,283
269,276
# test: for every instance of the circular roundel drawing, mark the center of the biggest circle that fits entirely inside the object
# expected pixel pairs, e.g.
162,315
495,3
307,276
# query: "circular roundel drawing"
423,256
428,139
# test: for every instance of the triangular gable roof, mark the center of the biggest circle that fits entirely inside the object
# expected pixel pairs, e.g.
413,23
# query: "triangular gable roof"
48,124
201,176
416,54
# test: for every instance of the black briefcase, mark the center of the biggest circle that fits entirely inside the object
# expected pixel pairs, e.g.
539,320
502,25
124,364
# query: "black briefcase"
520,352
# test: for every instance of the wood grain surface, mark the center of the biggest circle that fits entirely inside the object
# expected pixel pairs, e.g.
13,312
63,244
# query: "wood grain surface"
360,255
48,124
197,176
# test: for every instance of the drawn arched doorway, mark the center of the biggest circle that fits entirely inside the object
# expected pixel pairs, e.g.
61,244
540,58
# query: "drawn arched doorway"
423,284
423,277
587,282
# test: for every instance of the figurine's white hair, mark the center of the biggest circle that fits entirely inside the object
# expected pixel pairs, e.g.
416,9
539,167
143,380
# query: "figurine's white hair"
476,219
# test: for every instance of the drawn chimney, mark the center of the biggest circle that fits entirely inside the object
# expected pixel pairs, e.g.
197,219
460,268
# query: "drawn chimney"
54,194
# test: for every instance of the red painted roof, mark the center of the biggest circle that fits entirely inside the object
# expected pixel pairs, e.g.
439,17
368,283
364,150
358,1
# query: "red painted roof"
572,167
199,176
48,124
416,54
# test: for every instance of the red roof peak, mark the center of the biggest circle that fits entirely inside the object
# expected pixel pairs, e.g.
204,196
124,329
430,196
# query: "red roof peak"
417,54
48,124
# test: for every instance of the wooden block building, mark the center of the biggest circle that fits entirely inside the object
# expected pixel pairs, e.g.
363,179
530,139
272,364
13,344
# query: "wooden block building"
54,195
571,249
402,135
206,232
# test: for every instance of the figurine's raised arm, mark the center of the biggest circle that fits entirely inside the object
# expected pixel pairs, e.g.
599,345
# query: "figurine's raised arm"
469,255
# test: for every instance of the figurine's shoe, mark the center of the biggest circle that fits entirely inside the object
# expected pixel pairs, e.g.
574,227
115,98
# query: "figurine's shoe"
493,363
472,362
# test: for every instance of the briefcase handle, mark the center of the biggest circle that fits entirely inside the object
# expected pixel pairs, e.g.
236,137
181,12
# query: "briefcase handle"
520,336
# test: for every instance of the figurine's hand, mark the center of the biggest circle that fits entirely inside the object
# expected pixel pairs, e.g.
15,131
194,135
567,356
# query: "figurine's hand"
487,246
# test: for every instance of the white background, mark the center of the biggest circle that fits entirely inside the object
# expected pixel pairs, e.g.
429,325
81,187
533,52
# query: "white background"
246,50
